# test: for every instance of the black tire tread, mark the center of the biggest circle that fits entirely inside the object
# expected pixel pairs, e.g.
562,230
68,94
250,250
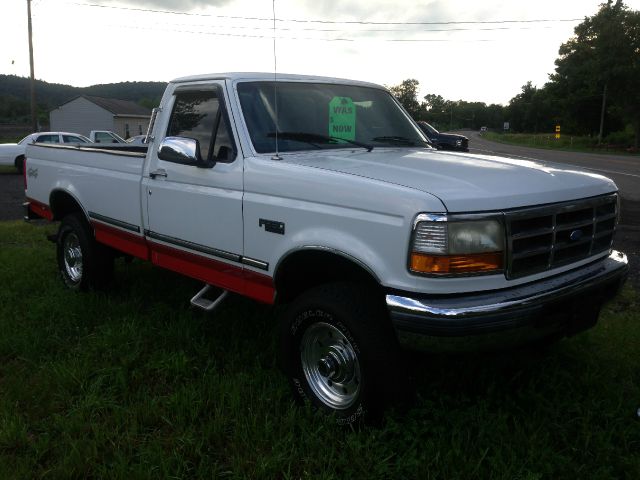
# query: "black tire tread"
363,313
97,259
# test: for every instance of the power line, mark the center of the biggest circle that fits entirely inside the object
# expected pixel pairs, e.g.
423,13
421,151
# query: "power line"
319,39
332,22
337,30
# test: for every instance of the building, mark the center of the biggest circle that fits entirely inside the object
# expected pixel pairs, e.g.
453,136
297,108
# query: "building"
86,113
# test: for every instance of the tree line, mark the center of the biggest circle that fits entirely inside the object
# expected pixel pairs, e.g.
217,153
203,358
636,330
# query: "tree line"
594,91
14,96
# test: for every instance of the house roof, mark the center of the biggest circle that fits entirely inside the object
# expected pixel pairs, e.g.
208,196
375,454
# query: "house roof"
118,107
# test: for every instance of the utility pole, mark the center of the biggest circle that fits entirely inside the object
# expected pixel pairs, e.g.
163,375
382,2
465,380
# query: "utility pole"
34,113
604,106
451,121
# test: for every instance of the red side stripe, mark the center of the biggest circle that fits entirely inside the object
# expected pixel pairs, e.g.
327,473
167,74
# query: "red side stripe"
126,242
224,275
40,209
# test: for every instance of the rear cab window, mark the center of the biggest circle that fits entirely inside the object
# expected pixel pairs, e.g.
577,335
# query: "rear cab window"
104,137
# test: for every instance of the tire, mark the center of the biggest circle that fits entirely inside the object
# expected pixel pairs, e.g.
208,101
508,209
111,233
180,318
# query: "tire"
19,163
83,263
340,353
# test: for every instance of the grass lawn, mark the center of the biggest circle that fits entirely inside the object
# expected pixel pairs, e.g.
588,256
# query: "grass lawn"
135,384
548,141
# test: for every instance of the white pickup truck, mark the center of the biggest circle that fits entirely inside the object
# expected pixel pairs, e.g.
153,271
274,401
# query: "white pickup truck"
323,194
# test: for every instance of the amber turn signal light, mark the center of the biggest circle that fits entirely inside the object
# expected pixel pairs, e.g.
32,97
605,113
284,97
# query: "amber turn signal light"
448,264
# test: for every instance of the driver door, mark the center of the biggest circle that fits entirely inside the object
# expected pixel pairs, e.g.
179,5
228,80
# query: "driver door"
194,211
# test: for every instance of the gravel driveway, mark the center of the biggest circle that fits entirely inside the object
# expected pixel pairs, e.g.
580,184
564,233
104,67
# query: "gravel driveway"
11,196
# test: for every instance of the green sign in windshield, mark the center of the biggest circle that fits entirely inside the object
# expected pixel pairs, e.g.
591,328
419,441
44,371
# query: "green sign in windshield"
342,118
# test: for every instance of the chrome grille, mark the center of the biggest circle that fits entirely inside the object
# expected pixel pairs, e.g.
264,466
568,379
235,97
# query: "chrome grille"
543,238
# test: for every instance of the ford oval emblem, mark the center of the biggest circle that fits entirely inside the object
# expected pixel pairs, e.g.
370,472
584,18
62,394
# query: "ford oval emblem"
575,235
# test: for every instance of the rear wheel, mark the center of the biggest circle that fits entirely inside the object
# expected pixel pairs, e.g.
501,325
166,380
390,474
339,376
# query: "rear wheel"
82,262
339,352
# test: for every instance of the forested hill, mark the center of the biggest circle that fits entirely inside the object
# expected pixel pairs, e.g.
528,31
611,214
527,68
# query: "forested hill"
14,95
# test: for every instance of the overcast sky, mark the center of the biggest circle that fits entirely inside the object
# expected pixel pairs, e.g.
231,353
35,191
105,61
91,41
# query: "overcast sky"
86,42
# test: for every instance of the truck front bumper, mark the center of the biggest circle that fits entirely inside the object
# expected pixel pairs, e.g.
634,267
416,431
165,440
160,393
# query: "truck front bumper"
564,304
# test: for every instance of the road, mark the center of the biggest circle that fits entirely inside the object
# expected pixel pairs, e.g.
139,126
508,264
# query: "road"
622,169
11,195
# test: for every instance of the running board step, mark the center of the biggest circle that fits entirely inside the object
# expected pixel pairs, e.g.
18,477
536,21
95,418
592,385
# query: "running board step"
206,304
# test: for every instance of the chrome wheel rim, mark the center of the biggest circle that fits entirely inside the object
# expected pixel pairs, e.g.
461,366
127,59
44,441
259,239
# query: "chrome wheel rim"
72,257
330,365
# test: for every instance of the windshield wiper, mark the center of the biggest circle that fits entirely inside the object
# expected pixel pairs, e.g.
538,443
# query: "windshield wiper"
313,138
397,139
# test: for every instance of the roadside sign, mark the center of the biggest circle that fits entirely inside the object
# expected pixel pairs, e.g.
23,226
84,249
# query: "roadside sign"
557,132
506,125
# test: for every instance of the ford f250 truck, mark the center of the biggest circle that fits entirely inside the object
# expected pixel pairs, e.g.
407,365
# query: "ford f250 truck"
324,195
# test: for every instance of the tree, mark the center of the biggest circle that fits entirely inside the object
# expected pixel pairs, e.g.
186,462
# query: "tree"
407,95
598,70
533,109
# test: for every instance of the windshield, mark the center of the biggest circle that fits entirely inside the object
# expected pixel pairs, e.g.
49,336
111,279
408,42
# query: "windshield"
315,116
428,128
25,139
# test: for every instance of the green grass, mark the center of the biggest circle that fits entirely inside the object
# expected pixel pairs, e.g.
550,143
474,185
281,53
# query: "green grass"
548,141
134,384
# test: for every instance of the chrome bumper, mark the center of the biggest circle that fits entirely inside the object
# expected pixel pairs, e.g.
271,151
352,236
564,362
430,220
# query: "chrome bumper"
566,303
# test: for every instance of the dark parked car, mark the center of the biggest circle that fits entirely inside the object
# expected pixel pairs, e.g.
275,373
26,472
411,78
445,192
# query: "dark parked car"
445,141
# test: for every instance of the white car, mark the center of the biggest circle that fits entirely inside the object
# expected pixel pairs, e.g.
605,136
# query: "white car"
137,140
13,153
105,136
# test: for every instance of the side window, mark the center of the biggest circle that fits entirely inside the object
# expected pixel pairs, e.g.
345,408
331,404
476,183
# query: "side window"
72,139
201,116
48,139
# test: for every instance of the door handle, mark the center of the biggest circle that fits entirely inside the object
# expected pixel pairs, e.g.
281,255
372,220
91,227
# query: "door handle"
161,172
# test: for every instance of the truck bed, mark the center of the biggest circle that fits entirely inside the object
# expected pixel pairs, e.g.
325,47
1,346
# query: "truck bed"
104,180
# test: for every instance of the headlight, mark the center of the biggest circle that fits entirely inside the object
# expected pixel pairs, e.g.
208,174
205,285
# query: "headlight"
442,245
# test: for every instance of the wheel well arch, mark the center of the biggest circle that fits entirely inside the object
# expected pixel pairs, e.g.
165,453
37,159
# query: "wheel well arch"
306,268
63,203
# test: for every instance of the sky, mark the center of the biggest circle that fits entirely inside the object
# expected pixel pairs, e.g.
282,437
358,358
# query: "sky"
461,49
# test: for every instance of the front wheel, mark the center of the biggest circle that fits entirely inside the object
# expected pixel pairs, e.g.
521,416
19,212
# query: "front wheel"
339,352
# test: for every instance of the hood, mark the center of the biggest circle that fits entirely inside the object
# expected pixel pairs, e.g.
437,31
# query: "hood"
451,136
465,182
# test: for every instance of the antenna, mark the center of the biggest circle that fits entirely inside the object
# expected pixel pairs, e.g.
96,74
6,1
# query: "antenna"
275,79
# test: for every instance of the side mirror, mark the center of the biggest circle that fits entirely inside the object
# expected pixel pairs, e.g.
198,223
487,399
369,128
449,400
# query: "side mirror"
182,150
